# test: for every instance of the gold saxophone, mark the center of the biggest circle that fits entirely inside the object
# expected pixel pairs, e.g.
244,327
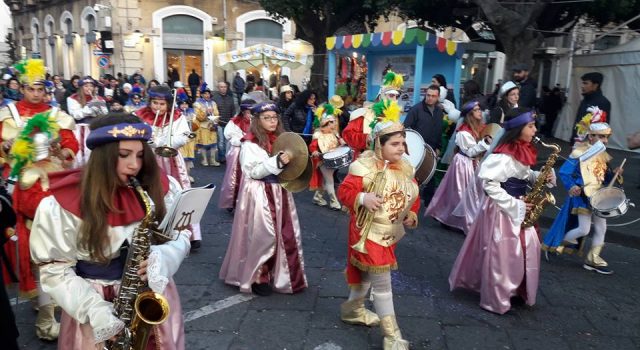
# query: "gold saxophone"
538,196
138,307
364,217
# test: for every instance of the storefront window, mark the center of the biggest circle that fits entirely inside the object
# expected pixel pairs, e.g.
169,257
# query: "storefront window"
263,31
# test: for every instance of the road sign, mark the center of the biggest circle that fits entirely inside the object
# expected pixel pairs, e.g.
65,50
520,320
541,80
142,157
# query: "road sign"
104,61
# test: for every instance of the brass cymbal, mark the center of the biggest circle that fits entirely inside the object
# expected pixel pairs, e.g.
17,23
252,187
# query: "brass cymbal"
301,183
491,129
298,152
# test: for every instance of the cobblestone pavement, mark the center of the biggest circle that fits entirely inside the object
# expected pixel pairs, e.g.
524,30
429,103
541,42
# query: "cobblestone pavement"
576,309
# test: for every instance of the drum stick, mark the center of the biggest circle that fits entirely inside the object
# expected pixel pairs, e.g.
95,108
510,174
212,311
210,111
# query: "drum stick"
615,177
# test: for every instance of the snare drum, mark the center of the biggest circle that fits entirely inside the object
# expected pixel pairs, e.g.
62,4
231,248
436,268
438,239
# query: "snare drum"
609,202
338,158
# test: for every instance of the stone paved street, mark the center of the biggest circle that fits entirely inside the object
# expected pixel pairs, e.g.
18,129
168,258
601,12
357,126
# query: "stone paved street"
576,309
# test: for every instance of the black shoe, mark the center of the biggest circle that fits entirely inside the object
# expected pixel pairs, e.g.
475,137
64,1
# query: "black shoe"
599,269
230,210
261,289
195,245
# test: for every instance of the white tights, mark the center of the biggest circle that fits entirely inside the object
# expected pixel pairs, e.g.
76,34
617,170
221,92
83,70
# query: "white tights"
380,284
327,180
584,226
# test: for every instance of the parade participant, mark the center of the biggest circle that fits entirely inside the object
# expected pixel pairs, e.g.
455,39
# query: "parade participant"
81,232
207,129
8,329
470,147
583,174
14,117
500,259
356,134
234,132
300,114
265,249
83,106
170,136
509,97
134,103
32,162
325,139
381,190
188,151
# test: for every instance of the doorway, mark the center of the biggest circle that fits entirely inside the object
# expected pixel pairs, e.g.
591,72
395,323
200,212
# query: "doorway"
184,61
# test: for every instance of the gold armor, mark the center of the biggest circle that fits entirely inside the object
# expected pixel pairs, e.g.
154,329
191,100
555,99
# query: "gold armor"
398,196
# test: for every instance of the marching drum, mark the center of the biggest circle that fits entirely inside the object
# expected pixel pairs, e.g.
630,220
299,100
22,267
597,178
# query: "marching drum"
421,156
338,158
609,202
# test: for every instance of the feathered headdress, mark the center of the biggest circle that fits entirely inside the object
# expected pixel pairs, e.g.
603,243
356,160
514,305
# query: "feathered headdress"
323,113
594,122
23,149
204,88
182,95
391,81
387,118
31,71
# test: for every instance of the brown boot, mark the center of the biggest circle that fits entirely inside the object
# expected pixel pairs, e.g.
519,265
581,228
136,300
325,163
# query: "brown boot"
354,312
392,336
47,328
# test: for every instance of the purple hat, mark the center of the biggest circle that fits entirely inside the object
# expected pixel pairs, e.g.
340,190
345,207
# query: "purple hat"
468,107
118,132
247,104
160,92
87,80
522,119
264,107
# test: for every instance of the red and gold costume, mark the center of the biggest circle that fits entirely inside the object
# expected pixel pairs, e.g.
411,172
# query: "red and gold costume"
400,198
14,117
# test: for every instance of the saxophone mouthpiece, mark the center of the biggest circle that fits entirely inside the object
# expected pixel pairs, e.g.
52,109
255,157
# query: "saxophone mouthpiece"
133,181
536,139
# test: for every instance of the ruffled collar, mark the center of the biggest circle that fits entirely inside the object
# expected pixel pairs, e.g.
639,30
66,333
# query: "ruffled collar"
148,116
27,109
65,187
524,152
242,122
252,138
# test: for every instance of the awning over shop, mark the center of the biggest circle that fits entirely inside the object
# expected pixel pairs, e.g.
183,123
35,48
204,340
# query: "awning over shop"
261,54
398,38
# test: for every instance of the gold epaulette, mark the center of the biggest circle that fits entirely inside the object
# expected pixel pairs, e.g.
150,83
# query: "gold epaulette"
316,135
34,173
363,166
579,149
65,121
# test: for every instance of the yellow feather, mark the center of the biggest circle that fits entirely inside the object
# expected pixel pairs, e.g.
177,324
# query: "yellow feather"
34,71
22,148
392,111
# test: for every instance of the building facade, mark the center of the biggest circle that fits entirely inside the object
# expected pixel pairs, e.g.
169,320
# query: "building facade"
147,36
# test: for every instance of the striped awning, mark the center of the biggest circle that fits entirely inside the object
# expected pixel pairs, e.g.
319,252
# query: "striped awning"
409,37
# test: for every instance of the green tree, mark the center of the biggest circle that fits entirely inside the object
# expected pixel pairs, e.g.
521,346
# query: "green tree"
518,25
11,51
317,19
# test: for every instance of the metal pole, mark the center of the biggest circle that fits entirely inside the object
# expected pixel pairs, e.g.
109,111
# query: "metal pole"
570,64
224,30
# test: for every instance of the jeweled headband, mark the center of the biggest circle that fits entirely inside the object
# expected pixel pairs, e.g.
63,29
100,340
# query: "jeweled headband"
518,121
118,132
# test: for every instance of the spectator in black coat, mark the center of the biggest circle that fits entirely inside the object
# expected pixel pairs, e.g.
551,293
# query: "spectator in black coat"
238,86
551,105
227,109
284,102
194,84
300,114
527,85
592,96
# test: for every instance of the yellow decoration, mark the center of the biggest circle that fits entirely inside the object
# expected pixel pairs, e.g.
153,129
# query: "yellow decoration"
22,148
34,72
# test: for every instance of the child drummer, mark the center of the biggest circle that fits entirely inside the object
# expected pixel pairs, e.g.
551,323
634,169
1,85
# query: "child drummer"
325,139
583,174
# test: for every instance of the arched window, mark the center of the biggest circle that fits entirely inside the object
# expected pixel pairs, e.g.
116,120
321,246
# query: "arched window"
182,32
263,31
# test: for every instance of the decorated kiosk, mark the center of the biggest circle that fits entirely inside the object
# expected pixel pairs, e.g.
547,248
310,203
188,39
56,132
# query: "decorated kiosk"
357,62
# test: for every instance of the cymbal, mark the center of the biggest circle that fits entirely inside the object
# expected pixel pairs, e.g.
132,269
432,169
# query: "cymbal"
298,152
491,129
301,183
